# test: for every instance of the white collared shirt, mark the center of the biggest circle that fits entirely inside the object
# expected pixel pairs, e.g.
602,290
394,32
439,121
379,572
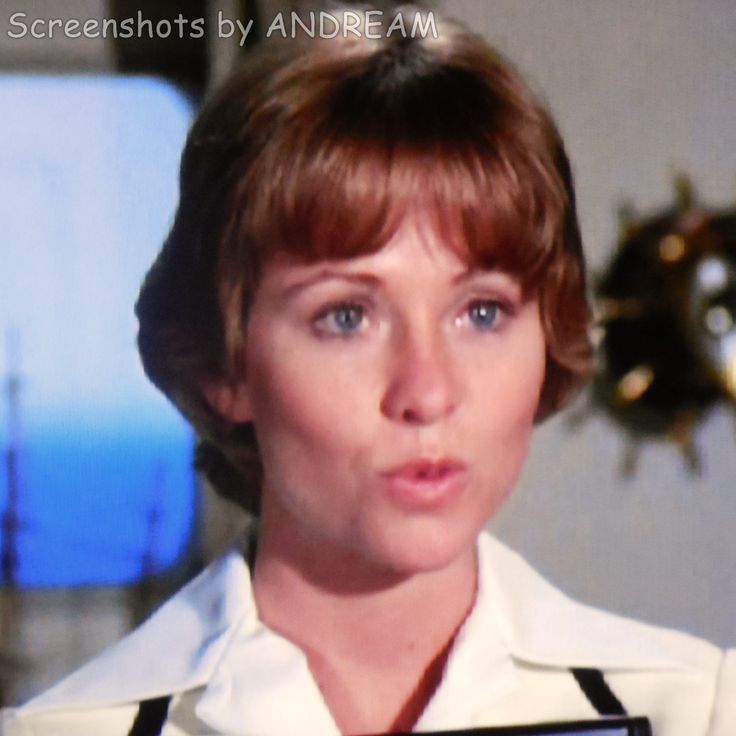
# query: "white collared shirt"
510,664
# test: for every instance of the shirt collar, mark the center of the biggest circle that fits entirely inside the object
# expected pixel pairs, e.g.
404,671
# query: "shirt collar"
260,671
543,627
209,636
479,654
175,650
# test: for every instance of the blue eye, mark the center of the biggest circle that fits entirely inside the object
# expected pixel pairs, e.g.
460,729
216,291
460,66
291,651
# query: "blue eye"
483,314
342,319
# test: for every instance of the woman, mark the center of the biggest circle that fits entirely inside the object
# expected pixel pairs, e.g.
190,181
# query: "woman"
373,288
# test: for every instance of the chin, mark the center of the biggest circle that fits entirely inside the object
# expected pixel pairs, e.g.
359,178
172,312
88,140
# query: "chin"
425,547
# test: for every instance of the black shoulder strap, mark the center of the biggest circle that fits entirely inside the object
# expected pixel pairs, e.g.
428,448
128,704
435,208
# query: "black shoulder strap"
596,689
151,717
152,713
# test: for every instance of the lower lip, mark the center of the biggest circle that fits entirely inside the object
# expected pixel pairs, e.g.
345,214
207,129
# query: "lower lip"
416,494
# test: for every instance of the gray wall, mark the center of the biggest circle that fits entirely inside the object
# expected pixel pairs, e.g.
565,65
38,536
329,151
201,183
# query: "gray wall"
641,90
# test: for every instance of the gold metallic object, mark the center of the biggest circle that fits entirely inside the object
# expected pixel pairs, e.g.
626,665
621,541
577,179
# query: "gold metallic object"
666,323
633,385
672,248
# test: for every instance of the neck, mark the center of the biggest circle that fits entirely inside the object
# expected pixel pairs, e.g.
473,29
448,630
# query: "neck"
371,634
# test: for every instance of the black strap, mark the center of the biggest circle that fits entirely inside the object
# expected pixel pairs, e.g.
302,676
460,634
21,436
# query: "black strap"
606,726
596,689
151,717
152,713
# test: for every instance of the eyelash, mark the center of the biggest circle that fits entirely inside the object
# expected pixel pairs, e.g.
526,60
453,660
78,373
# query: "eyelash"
500,311
323,327
325,322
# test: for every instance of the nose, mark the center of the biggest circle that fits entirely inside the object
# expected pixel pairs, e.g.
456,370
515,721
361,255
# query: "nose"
421,387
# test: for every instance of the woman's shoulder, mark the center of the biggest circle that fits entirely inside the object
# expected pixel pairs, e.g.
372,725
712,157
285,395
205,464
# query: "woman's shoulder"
174,651
724,710
680,681
540,621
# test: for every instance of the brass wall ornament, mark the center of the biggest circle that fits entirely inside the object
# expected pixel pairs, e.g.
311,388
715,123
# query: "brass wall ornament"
666,324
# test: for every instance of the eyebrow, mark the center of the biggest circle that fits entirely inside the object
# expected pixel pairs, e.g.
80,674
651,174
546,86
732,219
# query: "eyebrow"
468,273
472,273
328,274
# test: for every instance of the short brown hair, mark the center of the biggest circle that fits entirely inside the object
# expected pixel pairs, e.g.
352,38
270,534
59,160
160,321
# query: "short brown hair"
319,148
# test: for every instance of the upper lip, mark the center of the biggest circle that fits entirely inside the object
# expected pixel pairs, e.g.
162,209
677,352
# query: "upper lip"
428,469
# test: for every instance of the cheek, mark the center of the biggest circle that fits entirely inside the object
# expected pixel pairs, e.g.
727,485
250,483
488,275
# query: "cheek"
516,384
505,405
510,416
303,412
502,444
528,379
526,388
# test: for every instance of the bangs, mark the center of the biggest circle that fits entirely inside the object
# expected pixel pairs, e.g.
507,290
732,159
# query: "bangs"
360,157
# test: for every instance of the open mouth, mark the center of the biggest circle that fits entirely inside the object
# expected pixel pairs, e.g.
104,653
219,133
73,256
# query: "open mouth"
426,484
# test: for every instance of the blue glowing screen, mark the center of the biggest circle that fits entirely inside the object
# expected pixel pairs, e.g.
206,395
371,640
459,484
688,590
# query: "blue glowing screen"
95,484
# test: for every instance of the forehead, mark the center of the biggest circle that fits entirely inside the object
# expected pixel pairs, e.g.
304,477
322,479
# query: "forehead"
413,232
415,256
415,243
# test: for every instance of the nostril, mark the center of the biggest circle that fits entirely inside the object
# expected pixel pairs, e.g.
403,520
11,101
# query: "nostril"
420,387
410,416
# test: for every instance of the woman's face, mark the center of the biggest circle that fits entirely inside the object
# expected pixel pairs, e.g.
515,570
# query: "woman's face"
393,397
